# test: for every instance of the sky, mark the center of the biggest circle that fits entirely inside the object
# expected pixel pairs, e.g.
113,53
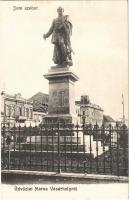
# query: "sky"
99,40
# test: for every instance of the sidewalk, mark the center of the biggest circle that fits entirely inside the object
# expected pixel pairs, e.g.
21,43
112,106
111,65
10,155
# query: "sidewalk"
84,177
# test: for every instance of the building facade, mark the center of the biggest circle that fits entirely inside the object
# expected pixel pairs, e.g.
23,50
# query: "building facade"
40,107
38,118
87,112
21,111
108,120
16,110
40,102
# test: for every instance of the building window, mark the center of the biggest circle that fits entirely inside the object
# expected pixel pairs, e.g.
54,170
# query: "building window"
35,117
27,112
23,111
83,113
20,111
83,120
8,110
12,111
31,113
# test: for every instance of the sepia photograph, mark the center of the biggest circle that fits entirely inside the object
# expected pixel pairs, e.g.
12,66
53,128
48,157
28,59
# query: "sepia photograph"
64,99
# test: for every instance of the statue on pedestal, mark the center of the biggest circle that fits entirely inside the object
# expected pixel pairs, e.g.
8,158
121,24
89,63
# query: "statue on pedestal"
61,30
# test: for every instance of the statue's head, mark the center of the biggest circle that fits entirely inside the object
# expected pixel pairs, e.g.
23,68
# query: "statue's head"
60,10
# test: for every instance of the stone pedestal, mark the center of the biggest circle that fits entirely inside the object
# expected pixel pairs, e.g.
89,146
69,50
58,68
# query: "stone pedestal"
61,107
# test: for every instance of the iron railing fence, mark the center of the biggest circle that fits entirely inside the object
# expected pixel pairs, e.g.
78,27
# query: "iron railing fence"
66,148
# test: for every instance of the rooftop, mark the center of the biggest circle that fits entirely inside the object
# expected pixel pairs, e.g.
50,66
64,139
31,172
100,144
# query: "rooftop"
108,118
15,97
40,102
85,102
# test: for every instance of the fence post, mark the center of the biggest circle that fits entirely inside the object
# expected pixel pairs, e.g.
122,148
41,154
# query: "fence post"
8,157
71,149
30,145
25,147
110,141
125,153
96,132
59,167
53,156
14,143
103,140
8,141
117,132
3,150
83,129
41,134
84,167
90,133
77,127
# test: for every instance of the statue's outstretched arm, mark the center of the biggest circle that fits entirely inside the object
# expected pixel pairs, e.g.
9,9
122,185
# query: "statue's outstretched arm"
49,32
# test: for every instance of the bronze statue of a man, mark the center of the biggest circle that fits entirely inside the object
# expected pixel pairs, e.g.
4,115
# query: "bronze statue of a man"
61,30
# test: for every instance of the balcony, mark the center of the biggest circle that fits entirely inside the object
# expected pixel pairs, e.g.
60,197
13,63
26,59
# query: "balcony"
21,118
